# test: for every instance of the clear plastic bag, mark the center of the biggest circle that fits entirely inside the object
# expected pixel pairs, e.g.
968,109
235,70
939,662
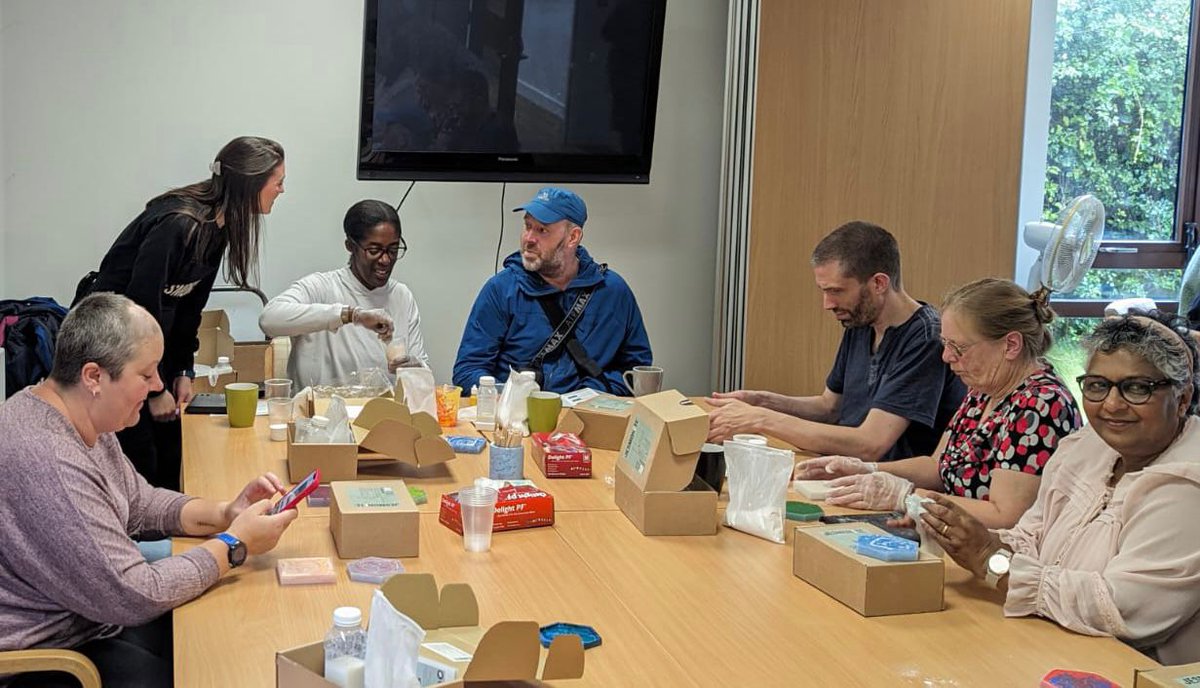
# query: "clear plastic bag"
758,484
417,386
361,384
512,413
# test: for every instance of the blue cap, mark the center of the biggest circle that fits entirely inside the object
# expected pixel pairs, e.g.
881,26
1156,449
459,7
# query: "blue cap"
552,204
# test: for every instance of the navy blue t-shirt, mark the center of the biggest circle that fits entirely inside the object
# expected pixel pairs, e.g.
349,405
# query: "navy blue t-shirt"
905,376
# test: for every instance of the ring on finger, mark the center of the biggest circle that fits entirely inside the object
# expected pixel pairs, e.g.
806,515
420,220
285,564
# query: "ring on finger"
945,527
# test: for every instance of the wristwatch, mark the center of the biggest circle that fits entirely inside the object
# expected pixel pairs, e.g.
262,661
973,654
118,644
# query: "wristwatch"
237,549
997,567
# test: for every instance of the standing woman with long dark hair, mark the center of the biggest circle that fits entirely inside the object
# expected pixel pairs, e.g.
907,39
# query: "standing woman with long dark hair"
167,260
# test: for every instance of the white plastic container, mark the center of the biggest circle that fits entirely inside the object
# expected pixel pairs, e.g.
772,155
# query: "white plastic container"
346,648
485,403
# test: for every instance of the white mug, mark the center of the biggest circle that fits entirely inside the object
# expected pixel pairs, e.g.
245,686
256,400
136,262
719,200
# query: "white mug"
643,380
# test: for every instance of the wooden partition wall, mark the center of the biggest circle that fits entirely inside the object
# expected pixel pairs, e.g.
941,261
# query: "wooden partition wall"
906,113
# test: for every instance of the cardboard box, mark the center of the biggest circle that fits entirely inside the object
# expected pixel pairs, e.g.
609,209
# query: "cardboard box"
561,455
517,506
376,518
823,556
509,651
214,338
382,427
253,361
600,422
1168,677
656,484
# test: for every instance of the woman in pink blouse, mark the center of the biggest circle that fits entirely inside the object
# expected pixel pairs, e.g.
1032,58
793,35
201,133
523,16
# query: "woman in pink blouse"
1016,411
1110,546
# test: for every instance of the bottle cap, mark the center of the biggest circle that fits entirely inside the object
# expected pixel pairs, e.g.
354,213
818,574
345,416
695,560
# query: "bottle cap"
486,380
222,360
347,616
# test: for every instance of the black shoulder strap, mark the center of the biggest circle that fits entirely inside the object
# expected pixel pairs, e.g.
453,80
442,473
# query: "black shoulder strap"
564,332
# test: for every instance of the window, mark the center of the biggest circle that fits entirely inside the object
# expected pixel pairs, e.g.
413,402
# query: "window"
1122,127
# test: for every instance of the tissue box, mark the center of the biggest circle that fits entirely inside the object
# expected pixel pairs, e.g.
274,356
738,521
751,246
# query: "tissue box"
561,455
517,506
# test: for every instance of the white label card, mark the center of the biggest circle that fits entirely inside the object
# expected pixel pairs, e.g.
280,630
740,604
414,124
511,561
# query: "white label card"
448,651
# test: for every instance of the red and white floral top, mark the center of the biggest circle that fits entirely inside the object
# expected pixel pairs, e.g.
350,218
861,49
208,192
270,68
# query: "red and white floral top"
1019,434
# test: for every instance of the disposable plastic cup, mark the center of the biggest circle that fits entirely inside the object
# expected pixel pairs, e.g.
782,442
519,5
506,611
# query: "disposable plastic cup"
279,413
751,439
277,388
447,397
478,509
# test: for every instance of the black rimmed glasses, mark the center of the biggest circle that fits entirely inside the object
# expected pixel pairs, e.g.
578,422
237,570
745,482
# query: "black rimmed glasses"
1135,390
395,251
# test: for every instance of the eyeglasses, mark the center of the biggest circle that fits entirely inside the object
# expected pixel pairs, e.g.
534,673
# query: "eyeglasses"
395,251
1135,390
955,348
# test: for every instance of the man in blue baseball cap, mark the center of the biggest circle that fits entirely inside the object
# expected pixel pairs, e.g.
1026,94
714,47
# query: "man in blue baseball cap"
554,310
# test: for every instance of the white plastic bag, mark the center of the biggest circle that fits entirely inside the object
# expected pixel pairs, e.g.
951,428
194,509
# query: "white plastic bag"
417,385
393,642
758,484
512,413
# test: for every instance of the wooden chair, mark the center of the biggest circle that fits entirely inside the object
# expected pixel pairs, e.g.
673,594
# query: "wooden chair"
67,661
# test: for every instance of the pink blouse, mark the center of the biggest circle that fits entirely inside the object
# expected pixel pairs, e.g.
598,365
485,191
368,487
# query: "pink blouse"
1121,561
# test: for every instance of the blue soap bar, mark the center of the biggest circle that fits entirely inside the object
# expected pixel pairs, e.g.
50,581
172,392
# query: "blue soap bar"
587,634
886,547
463,444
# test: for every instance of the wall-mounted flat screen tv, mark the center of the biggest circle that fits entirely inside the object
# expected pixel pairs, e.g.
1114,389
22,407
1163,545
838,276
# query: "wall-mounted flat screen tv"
510,90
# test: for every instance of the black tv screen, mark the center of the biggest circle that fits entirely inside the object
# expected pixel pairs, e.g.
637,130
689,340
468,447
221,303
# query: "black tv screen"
510,90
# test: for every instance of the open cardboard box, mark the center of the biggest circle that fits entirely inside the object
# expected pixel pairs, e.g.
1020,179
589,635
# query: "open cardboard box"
508,651
600,421
656,484
824,557
251,361
383,427
374,518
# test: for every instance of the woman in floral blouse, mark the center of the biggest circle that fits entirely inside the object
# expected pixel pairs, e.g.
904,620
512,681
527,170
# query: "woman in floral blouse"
1016,411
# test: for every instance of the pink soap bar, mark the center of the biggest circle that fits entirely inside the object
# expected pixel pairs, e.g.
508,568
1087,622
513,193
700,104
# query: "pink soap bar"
305,571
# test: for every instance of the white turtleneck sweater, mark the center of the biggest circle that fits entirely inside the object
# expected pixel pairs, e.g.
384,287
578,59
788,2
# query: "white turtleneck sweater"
324,351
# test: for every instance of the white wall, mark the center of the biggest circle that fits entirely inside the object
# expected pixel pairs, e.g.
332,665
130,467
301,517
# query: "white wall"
106,104
1037,130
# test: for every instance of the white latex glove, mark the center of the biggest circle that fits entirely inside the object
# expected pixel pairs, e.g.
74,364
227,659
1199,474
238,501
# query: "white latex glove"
878,490
826,467
375,319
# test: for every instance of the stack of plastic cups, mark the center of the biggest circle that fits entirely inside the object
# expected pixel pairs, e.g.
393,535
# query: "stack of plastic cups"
278,393
478,509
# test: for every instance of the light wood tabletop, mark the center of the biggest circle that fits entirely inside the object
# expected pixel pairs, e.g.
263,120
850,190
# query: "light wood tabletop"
673,611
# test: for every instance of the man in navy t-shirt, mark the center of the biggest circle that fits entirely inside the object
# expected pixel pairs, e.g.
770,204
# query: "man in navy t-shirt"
889,395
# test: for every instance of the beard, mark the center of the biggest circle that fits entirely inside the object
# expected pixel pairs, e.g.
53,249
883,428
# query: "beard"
546,265
864,312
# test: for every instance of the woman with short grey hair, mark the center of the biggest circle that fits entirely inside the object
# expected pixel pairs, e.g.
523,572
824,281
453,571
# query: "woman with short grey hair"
1110,546
72,505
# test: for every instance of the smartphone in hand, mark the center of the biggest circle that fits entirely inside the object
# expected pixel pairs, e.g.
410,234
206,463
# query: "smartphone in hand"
300,491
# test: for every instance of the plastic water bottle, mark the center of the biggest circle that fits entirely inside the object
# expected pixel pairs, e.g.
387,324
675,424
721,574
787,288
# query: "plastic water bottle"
346,648
222,367
485,403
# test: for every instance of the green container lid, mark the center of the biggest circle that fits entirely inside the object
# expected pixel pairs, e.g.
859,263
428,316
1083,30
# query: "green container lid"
803,511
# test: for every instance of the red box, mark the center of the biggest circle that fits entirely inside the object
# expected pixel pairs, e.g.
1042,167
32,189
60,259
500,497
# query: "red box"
517,506
561,455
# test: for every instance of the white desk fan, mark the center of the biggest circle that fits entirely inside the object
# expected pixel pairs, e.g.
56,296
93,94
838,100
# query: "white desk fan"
1067,249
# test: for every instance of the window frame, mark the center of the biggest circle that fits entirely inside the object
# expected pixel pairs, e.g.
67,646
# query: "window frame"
1175,253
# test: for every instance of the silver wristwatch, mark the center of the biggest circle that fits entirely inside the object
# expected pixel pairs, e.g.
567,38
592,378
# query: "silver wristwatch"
997,567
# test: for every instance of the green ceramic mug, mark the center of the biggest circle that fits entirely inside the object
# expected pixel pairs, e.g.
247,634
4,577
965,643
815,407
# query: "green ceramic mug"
241,402
543,411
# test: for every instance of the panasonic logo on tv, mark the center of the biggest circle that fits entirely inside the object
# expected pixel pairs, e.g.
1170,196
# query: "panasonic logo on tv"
504,159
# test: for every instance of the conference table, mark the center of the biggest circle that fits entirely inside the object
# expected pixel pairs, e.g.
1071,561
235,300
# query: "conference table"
717,610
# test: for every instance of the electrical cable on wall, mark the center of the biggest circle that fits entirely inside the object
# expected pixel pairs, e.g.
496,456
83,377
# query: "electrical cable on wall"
500,241
405,196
